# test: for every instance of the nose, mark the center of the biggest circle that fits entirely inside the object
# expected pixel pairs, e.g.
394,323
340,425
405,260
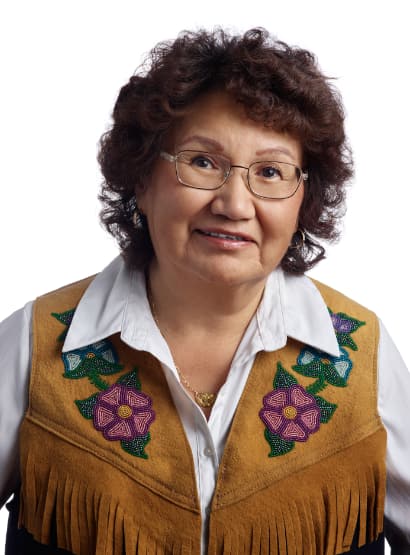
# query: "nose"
234,200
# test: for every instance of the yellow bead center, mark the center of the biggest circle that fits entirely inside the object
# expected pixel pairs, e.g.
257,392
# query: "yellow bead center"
290,413
325,361
124,411
90,355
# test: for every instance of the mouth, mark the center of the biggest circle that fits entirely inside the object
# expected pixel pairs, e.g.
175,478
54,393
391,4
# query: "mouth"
225,235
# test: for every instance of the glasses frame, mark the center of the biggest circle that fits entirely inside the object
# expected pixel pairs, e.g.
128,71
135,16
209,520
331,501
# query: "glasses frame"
174,158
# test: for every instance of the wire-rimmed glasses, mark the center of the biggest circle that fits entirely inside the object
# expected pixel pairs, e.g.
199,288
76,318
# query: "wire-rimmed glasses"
267,179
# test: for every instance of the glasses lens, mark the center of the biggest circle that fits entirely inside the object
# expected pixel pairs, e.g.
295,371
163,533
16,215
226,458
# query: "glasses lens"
201,170
274,179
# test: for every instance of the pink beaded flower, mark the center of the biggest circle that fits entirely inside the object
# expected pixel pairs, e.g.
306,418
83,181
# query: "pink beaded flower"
123,413
291,413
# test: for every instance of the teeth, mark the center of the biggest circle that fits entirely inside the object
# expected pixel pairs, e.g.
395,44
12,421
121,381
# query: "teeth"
224,236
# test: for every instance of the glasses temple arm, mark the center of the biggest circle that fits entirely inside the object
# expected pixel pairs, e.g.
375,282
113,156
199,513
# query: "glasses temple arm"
167,156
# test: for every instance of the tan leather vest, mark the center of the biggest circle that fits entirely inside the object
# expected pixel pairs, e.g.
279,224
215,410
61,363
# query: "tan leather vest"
106,465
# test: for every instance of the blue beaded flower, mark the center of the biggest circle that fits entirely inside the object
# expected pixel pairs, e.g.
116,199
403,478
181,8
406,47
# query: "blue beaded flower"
98,358
327,368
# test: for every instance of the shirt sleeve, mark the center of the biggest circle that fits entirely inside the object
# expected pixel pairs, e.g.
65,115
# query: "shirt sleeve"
15,357
393,406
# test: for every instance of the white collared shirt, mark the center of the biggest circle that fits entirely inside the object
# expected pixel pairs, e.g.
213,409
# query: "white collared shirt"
116,302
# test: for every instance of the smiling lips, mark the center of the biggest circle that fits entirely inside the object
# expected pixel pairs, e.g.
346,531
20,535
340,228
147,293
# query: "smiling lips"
224,235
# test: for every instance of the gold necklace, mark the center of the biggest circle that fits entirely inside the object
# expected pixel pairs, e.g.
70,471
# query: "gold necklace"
204,399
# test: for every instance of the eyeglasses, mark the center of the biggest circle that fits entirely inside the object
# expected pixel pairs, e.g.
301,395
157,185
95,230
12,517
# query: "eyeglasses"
265,179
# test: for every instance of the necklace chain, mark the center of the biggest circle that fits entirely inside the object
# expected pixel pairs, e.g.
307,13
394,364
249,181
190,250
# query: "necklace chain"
202,398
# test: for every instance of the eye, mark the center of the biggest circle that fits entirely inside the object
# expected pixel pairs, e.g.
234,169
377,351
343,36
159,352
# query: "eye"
269,172
203,162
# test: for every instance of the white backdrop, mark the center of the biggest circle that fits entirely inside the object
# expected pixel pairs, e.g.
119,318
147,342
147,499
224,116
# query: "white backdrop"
63,65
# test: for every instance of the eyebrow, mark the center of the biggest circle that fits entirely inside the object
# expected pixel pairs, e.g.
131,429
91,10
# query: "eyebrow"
206,141
275,150
211,143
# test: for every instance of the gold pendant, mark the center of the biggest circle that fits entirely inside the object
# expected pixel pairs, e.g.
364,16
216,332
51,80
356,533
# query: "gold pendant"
205,400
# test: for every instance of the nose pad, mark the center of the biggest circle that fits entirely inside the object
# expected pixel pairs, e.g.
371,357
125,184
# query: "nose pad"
230,173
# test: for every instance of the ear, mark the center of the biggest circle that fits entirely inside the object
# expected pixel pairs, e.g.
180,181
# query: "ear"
140,195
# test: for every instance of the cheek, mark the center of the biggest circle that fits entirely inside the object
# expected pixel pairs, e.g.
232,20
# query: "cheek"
156,186
184,204
292,210
282,219
173,211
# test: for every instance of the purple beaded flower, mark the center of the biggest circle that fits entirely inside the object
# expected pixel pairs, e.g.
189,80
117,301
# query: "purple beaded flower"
291,413
123,413
344,326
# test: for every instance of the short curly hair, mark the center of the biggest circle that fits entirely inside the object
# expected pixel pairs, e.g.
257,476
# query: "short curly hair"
278,85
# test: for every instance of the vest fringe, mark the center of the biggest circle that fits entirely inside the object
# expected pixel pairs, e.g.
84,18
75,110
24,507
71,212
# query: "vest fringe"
70,515
54,507
324,524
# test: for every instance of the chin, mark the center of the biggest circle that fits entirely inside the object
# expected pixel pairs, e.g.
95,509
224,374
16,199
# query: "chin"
231,275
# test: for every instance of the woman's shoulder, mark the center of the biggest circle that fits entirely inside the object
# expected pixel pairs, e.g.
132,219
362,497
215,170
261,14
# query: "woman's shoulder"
115,275
70,293
337,297
306,291
340,302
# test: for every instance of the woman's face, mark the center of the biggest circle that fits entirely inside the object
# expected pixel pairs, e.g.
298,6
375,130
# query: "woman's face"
250,235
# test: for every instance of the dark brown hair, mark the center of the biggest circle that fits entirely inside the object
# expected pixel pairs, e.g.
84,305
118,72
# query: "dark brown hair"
278,85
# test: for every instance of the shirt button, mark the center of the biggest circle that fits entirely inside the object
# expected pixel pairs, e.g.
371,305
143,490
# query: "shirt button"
208,452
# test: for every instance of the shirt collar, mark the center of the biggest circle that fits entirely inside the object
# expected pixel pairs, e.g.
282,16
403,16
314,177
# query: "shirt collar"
116,302
304,313
100,312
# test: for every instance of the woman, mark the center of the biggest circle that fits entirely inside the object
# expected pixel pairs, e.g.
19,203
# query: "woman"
201,394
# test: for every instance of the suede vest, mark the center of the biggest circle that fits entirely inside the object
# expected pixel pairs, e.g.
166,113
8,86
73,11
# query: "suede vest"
106,467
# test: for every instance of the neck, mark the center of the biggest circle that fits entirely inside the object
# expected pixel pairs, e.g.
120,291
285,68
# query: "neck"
187,304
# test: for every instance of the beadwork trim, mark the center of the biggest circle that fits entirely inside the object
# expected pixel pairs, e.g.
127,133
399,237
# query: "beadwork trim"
290,412
120,411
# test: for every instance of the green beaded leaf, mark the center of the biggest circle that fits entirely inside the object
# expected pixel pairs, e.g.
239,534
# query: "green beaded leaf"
333,377
131,379
283,378
317,386
323,371
65,318
87,406
278,445
92,366
344,326
326,409
311,370
136,447
345,340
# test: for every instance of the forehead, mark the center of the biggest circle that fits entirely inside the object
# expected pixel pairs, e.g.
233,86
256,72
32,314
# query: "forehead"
216,121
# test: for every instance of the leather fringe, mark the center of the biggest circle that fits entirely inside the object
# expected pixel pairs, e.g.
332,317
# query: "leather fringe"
325,523
68,514
83,521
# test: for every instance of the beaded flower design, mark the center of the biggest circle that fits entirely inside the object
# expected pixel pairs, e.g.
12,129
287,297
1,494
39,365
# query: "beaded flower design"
325,368
344,326
291,412
121,411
